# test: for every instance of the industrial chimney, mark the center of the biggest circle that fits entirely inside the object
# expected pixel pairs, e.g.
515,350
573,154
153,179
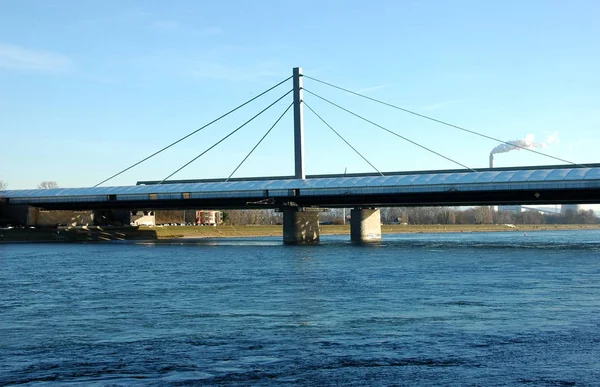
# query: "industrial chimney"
491,160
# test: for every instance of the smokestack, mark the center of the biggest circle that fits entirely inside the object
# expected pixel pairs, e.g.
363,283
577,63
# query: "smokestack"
491,160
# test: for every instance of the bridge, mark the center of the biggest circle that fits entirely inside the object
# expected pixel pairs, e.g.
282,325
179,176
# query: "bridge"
299,197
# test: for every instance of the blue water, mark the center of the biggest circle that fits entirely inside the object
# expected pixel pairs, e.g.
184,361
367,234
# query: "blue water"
479,309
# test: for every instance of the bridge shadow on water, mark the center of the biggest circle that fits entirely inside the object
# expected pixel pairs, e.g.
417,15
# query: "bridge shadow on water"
76,234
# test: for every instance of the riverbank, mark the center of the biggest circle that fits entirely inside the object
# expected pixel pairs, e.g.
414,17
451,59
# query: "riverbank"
85,234
267,230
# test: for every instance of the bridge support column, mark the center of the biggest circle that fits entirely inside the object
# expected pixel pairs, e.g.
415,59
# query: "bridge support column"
300,226
365,225
3,209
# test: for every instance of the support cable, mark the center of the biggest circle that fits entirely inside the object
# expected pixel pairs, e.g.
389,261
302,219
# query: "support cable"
391,132
226,137
257,144
443,122
194,132
343,139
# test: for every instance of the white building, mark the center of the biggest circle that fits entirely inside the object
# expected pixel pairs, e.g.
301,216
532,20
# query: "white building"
142,218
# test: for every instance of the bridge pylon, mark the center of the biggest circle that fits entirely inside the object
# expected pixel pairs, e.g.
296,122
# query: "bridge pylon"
298,124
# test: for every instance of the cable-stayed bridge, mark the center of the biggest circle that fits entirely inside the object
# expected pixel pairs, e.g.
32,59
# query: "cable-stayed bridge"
300,196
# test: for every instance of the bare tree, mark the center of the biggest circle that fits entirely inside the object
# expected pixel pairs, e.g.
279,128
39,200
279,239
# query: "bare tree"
392,214
587,217
446,215
505,217
422,215
47,185
483,215
3,185
244,217
531,217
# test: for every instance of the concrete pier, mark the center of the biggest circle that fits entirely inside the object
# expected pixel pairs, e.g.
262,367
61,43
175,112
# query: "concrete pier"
3,208
365,225
300,226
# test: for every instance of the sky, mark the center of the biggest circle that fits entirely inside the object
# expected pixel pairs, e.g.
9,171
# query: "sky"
88,88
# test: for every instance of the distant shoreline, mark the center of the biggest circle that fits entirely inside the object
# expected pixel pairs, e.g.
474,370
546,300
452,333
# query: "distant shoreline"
82,234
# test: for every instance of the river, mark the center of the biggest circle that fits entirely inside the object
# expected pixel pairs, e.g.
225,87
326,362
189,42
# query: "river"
416,309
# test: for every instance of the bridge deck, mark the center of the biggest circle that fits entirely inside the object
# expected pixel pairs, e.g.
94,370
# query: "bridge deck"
560,184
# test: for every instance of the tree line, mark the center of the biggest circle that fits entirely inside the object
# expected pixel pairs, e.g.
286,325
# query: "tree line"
424,215
42,185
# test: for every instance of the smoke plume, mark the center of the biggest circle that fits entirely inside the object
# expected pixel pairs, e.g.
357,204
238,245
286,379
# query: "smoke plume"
528,142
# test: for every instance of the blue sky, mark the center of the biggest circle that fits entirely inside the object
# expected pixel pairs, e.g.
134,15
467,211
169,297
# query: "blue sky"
89,88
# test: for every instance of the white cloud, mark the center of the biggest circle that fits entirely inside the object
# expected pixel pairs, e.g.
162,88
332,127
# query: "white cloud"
17,57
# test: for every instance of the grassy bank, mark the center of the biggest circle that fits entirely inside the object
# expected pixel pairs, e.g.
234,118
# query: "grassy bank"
250,231
79,234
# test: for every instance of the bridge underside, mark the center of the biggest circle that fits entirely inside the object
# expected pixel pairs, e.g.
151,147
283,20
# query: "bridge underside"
449,198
